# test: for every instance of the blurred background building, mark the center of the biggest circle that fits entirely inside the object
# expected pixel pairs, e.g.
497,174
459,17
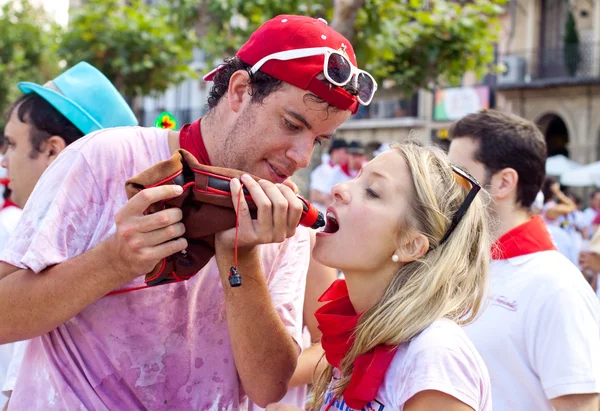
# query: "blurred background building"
549,48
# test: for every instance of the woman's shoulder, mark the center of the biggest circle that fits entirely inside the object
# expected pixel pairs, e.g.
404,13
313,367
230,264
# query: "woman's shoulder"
444,339
440,358
441,333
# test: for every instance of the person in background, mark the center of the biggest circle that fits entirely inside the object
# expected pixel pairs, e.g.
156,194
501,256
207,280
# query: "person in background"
577,216
356,159
40,125
590,213
559,236
589,262
558,213
557,205
577,227
320,178
371,149
540,333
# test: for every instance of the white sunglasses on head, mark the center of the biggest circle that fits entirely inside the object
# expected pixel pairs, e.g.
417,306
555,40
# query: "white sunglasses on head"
337,68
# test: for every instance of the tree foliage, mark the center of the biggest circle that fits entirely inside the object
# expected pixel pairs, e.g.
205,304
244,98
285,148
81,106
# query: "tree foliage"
140,48
27,36
415,43
571,53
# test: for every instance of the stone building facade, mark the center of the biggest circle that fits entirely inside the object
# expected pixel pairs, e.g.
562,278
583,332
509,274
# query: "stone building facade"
553,85
542,83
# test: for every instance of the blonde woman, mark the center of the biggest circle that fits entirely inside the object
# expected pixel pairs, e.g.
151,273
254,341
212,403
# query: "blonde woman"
409,233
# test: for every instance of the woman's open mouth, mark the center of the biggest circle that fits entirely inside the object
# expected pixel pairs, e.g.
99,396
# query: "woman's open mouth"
331,224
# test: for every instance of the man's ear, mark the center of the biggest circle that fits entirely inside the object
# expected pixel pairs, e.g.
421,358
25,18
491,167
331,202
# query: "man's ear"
504,184
238,89
53,147
412,247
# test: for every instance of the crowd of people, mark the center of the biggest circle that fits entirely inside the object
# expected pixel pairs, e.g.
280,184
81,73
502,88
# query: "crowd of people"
574,229
433,285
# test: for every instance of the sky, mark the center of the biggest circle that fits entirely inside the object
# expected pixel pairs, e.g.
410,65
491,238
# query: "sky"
57,8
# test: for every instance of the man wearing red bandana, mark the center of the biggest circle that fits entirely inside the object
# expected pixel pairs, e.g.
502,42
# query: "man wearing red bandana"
198,344
540,335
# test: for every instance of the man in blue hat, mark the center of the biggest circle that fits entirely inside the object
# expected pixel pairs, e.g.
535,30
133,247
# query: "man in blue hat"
48,118
40,125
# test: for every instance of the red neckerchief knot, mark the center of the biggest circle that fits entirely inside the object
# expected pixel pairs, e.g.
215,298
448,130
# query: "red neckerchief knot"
337,321
190,139
528,238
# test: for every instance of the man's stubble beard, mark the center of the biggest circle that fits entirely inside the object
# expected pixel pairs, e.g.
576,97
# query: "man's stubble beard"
235,144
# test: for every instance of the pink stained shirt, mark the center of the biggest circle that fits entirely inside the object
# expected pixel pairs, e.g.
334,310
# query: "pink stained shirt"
165,347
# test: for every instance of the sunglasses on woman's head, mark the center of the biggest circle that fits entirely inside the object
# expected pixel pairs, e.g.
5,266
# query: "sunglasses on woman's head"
338,70
475,187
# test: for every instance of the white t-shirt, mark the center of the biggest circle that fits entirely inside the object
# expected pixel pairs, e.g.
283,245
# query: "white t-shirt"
564,242
6,353
320,177
441,358
339,176
539,335
320,180
9,217
13,368
587,217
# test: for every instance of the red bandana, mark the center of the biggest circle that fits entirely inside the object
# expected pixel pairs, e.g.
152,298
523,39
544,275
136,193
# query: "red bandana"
528,238
190,139
346,171
8,203
337,321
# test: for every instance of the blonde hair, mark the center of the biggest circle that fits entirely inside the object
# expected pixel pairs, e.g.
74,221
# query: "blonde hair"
449,281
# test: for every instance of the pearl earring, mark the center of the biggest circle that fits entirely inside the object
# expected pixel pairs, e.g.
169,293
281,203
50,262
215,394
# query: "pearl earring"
395,258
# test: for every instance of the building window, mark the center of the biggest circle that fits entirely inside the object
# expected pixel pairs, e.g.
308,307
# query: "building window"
388,108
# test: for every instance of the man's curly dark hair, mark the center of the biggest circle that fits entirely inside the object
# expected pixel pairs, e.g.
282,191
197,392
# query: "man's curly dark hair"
262,84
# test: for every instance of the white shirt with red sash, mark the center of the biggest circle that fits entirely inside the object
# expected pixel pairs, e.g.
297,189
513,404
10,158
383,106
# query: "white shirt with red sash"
540,333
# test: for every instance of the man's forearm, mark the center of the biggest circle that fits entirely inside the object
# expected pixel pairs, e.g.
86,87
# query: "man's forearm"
265,354
33,304
576,402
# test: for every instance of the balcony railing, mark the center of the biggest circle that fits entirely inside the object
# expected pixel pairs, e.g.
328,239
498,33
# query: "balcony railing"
389,108
567,63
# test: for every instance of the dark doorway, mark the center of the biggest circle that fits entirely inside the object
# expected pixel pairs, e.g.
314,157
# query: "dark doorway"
556,133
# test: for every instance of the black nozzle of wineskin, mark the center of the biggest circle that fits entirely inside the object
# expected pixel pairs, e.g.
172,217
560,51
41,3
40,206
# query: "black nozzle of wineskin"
320,222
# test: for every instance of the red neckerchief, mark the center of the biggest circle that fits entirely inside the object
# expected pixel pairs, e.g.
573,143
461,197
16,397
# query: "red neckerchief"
528,238
346,170
337,321
190,139
8,203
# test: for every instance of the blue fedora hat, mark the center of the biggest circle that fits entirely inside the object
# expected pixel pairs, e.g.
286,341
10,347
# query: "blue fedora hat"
86,98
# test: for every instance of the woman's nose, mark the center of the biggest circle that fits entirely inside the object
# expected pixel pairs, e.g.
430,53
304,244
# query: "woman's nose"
340,193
